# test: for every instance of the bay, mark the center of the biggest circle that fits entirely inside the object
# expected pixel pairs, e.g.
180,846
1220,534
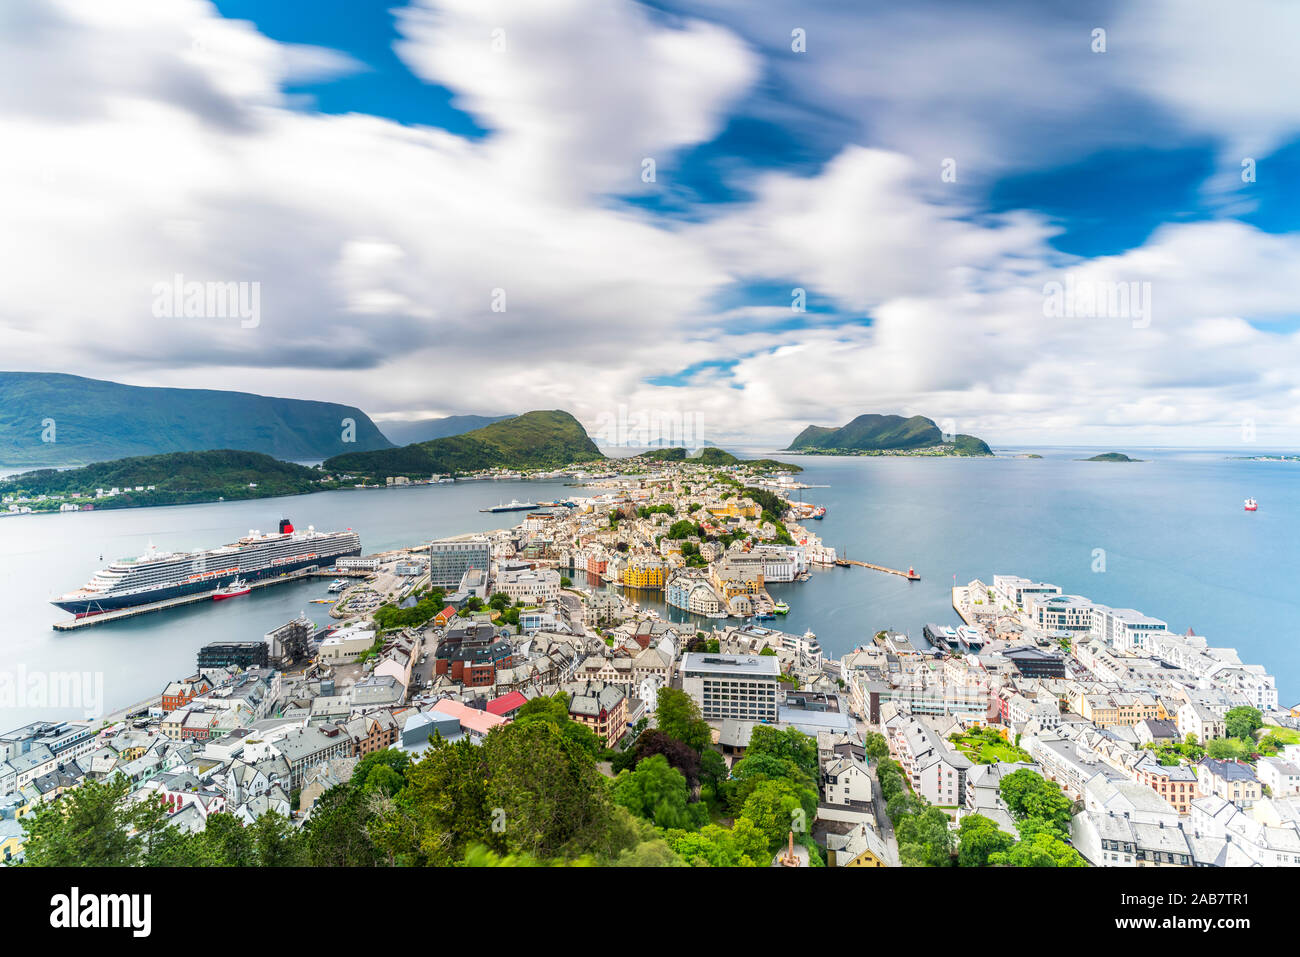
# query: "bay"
1174,542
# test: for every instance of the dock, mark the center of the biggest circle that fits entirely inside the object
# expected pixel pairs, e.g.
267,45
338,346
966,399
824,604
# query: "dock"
910,574
73,624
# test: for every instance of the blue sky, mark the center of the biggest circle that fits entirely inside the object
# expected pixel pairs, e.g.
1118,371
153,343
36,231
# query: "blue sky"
924,173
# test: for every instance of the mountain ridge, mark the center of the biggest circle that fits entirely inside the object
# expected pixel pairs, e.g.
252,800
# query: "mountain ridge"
54,419
537,439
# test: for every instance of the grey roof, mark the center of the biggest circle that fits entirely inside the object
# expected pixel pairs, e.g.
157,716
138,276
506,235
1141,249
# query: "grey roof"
749,666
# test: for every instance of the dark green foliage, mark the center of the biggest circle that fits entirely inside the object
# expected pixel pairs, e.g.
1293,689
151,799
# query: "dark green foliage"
391,616
534,440
978,838
1242,722
180,477
871,432
678,716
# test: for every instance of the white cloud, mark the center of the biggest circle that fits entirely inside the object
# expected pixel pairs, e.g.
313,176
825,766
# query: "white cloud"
379,247
579,92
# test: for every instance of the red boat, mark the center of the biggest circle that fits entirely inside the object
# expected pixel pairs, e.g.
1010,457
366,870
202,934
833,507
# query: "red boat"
233,590
1251,505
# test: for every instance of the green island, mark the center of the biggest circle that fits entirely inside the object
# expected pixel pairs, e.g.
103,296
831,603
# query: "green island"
874,434
1110,457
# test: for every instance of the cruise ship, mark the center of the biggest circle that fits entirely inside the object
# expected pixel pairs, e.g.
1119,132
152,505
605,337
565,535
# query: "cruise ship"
514,506
158,576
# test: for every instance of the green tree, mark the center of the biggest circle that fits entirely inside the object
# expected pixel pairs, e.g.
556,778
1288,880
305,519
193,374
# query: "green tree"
382,771
1041,849
678,716
778,806
545,796
337,833
978,837
876,745
554,710
1030,796
1242,722
94,825
446,793
654,790
787,744
743,845
924,839
277,842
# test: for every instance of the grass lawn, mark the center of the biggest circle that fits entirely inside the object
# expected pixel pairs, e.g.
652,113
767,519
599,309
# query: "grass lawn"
988,747
1286,734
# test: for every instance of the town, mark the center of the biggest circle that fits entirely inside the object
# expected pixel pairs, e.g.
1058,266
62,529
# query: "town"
1047,730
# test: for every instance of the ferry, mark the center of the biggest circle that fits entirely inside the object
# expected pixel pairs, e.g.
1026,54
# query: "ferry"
233,590
337,585
1251,505
781,608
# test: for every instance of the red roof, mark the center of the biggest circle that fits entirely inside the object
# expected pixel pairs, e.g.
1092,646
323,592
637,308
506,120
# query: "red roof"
506,703
448,612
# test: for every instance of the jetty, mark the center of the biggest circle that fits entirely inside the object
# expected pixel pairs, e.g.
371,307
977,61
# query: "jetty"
119,614
910,574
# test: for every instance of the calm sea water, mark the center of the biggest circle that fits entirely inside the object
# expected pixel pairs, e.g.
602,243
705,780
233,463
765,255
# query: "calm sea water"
1175,539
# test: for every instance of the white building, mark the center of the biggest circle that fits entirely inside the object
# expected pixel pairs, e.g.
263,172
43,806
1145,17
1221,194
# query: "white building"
732,686
1125,629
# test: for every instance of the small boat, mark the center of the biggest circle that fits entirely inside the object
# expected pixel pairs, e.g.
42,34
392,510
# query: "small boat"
1251,505
781,608
337,585
819,512
233,590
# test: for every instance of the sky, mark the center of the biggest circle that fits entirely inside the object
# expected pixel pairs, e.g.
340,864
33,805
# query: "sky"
1041,224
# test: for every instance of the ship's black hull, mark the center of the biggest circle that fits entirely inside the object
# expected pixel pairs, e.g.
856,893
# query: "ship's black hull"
111,603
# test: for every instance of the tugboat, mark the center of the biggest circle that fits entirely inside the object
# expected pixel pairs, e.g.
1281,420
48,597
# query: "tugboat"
1251,505
233,590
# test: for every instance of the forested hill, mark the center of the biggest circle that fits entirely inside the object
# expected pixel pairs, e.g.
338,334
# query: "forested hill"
60,420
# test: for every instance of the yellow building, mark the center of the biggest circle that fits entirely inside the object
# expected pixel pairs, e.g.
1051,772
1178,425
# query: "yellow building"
734,510
642,574
11,841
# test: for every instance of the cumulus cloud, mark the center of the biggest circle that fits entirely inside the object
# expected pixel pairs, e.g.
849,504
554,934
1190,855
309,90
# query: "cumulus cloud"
403,268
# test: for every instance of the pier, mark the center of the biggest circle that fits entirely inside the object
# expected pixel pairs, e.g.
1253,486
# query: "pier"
121,613
910,574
